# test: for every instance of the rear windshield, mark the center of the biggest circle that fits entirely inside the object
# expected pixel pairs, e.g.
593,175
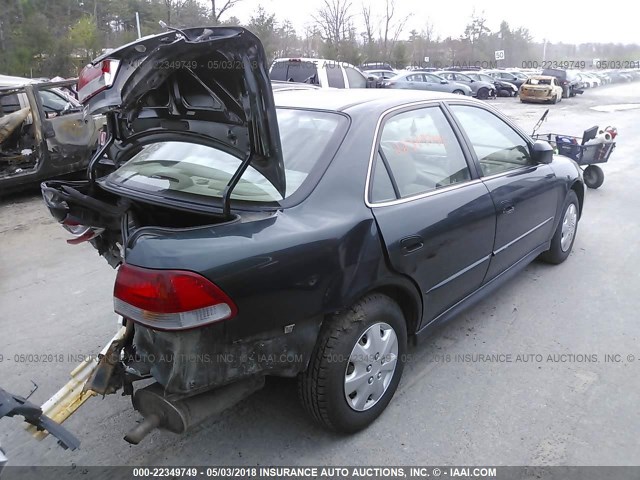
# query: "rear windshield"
539,81
294,71
177,168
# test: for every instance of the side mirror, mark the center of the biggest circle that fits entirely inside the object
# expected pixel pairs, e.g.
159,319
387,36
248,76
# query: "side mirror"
542,152
444,81
372,78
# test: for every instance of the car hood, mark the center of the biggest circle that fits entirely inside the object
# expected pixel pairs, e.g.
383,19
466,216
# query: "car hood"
207,84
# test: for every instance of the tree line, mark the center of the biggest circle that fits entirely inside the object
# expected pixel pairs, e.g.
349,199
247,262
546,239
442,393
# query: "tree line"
46,38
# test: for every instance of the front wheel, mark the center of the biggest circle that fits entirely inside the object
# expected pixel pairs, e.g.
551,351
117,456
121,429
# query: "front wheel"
565,234
356,365
458,92
593,176
483,94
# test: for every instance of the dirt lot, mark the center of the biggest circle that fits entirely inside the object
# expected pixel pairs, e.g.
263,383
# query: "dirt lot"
572,407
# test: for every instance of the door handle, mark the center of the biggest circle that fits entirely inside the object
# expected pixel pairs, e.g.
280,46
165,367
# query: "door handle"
508,209
412,243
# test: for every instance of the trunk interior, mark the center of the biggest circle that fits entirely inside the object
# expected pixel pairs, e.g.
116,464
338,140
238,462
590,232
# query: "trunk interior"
115,218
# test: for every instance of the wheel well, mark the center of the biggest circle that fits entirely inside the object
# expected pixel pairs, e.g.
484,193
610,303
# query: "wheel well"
579,189
406,302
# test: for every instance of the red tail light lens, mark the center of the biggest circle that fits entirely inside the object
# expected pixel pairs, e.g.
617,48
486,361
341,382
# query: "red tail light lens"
96,78
169,299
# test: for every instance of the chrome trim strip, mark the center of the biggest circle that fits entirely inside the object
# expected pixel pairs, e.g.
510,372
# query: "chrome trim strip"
455,186
504,247
461,272
517,170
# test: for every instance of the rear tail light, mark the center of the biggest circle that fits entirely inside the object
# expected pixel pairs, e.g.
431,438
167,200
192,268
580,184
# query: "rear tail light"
96,78
169,299
81,233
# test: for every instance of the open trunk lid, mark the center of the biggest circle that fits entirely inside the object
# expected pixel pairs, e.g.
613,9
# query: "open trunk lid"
201,84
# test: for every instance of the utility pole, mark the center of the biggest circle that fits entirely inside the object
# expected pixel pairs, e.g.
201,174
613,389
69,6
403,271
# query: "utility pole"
138,25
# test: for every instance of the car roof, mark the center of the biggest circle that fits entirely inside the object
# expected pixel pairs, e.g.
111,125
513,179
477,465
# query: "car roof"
542,77
344,99
9,81
283,85
317,61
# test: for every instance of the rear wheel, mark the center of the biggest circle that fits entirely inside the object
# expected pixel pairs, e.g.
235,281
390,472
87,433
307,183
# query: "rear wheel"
554,100
356,365
565,234
593,176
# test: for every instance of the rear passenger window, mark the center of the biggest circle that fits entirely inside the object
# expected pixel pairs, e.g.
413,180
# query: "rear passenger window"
356,79
381,188
422,152
9,103
334,75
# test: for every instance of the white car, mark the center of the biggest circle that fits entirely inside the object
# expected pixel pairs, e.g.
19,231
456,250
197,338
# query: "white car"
318,71
590,80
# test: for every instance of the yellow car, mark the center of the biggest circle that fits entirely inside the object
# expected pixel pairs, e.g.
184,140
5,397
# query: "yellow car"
541,88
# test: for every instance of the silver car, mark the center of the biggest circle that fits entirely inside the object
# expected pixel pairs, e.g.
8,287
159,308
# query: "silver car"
480,89
426,81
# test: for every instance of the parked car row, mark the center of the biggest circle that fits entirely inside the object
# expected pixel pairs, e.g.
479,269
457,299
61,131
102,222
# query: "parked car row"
482,84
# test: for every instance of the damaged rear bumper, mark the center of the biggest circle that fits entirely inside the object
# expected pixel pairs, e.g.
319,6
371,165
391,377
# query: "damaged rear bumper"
198,360
197,374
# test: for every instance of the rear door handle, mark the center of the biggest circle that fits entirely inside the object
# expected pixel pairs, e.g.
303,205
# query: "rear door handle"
412,243
507,207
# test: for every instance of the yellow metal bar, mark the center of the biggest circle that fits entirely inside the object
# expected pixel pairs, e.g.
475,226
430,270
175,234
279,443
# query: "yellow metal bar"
70,398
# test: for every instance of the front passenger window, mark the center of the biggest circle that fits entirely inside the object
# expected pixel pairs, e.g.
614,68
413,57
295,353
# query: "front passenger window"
499,147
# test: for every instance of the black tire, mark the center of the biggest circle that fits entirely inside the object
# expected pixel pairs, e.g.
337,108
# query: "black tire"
483,93
556,254
554,100
322,386
458,92
593,176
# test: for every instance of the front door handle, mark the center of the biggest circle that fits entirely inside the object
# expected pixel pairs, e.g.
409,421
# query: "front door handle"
412,243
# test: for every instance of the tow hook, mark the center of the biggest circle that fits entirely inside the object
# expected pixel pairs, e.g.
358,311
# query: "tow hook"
108,376
179,414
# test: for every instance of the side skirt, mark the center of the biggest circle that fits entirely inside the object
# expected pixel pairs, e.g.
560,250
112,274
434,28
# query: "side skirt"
482,292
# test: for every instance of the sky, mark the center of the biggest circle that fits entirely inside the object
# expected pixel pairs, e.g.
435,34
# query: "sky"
569,22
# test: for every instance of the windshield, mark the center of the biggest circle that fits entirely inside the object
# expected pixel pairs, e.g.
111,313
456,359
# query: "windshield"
179,168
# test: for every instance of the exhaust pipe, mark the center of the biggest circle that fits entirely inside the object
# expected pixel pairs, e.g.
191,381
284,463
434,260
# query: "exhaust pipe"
178,416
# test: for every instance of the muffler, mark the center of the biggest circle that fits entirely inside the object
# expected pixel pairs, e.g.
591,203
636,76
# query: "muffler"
177,416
